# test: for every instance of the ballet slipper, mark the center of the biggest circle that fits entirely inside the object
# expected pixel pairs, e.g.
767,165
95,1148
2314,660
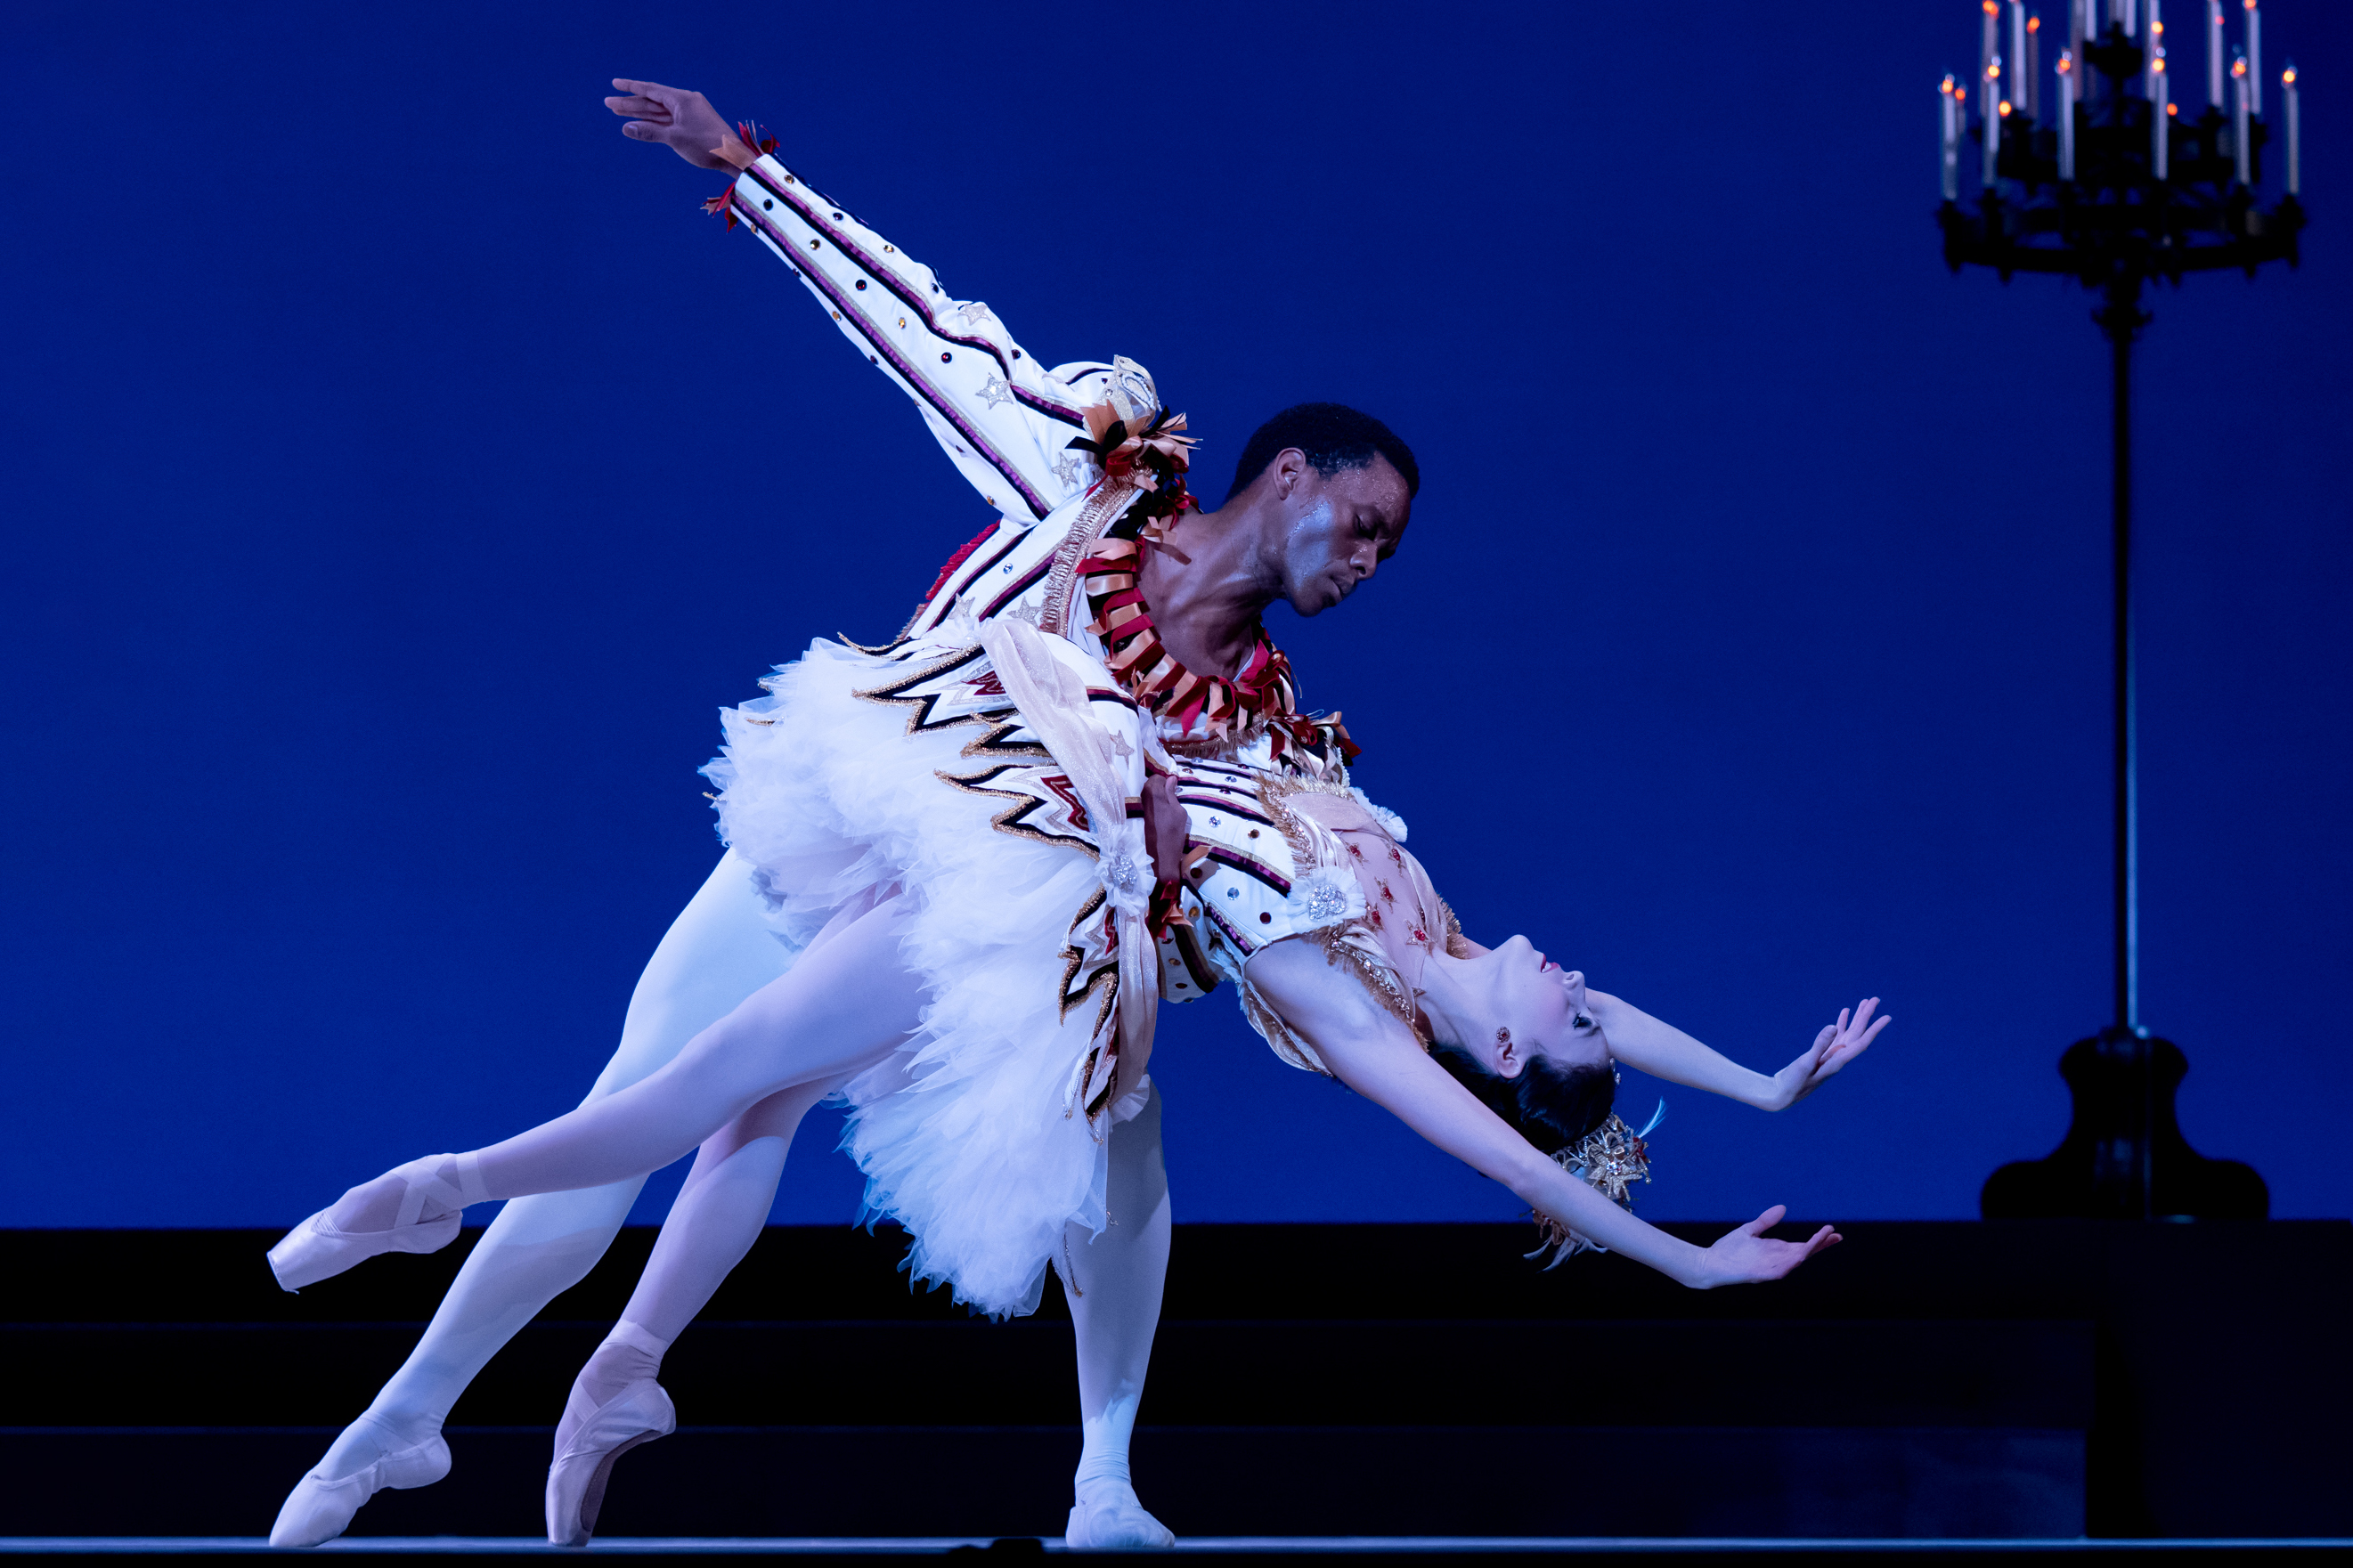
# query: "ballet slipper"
1108,1518
319,1510
319,1248
588,1442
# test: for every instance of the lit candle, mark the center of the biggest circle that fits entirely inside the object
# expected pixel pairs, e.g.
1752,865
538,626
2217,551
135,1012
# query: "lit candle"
2295,139
2160,122
2214,55
2019,73
1951,112
1988,42
2032,86
2155,46
2066,114
2239,117
1993,111
2254,59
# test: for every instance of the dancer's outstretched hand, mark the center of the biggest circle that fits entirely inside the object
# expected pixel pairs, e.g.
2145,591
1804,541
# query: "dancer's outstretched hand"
1749,1257
683,122
1836,1046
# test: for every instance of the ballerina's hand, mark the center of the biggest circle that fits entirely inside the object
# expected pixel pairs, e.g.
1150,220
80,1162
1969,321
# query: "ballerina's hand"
1836,1046
1749,1257
683,122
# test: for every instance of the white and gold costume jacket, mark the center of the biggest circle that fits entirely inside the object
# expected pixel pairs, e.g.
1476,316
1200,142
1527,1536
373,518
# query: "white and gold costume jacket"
1005,422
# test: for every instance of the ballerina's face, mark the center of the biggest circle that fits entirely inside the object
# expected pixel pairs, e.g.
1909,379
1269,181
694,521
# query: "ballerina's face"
1528,1004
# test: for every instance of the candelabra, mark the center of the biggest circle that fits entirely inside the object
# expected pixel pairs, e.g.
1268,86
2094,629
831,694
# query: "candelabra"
2115,186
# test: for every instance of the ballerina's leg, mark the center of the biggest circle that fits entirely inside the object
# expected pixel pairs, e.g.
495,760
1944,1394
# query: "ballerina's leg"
845,1005
1114,1281
615,1403
719,951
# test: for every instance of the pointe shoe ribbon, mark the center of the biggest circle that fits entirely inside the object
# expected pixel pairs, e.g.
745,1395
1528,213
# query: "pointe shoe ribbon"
319,1248
584,1459
319,1510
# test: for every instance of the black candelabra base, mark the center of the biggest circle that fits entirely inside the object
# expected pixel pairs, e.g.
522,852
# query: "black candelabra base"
2124,1156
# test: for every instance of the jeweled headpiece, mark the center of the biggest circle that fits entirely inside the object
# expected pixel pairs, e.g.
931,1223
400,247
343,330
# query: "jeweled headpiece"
1610,1159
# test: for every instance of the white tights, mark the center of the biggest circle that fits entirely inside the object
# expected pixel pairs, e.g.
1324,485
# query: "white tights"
715,956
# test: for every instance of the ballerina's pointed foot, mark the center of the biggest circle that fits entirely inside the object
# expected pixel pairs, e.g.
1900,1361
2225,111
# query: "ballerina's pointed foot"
592,1436
319,1508
1110,1518
413,1208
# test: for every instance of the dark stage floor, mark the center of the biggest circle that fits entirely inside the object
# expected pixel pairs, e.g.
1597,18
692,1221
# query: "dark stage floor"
1292,1552
1958,1389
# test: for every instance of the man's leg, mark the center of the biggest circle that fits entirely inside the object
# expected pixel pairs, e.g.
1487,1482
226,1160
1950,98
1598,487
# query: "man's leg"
1114,1281
717,952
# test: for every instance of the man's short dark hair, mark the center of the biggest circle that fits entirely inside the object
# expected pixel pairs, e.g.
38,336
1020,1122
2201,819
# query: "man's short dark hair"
1333,435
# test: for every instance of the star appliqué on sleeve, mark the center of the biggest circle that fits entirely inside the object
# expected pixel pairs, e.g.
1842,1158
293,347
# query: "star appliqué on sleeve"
974,313
993,391
1067,468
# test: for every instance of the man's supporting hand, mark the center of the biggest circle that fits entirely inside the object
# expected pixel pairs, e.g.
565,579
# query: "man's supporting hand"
683,122
1164,828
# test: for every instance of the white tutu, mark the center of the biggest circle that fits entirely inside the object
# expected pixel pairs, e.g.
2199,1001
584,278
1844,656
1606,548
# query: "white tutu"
964,1137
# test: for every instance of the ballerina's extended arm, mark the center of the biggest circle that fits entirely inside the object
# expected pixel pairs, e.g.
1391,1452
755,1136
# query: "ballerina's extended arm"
1379,1057
1652,1045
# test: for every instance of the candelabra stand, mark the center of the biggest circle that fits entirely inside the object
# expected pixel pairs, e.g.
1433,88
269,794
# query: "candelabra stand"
2119,194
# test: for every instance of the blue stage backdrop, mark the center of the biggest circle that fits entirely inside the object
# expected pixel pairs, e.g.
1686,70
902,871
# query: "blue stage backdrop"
400,472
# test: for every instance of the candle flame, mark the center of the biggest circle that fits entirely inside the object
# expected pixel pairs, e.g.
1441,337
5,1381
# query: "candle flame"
1945,86
2173,108
2251,4
2066,61
2157,65
2034,24
2287,77
1960,95
2238,65
1994,69
2005,108
1993,10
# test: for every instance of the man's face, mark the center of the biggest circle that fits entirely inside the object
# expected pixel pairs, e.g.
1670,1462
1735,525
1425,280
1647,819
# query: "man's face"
1338,532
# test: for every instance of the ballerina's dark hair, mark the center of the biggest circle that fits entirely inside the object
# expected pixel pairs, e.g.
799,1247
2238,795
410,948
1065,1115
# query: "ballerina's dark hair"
1549,1105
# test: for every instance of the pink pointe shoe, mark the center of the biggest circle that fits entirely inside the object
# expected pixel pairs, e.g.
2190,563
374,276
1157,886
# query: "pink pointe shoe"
319,1510
584,1453
319,1248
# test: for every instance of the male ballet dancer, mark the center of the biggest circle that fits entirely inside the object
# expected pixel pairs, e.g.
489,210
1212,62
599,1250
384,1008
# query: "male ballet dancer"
1005,422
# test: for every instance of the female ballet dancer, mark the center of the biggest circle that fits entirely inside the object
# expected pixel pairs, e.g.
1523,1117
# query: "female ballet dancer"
939,998
1294,526
853,832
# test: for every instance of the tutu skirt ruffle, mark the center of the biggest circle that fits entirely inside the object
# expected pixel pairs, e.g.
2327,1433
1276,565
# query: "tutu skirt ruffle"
963,1135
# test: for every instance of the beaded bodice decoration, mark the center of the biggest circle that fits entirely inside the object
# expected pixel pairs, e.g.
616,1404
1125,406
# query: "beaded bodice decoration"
1205,707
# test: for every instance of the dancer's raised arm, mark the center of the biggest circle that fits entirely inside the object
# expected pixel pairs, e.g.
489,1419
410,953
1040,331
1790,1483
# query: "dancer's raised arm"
1655,1047
1003,419
1368,1050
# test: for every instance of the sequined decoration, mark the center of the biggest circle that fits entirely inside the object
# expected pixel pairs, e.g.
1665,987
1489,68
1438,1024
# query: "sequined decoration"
1610,1159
